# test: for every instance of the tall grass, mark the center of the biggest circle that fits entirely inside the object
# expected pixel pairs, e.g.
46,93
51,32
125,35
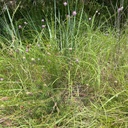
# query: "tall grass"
67,74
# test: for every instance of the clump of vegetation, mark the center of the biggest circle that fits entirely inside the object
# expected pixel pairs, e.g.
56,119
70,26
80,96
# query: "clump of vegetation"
62,69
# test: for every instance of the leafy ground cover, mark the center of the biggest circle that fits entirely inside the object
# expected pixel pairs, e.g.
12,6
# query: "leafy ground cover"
66,75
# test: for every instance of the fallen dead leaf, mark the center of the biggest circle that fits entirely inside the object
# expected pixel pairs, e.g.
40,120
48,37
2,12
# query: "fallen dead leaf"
4,98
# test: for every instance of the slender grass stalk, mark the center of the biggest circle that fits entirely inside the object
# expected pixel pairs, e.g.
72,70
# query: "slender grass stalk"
55,17
11,21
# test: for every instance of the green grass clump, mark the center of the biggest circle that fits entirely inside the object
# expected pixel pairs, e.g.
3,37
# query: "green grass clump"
64,75
87,87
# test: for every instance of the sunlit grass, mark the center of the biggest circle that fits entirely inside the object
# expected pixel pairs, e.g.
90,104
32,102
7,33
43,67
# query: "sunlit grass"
64,75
